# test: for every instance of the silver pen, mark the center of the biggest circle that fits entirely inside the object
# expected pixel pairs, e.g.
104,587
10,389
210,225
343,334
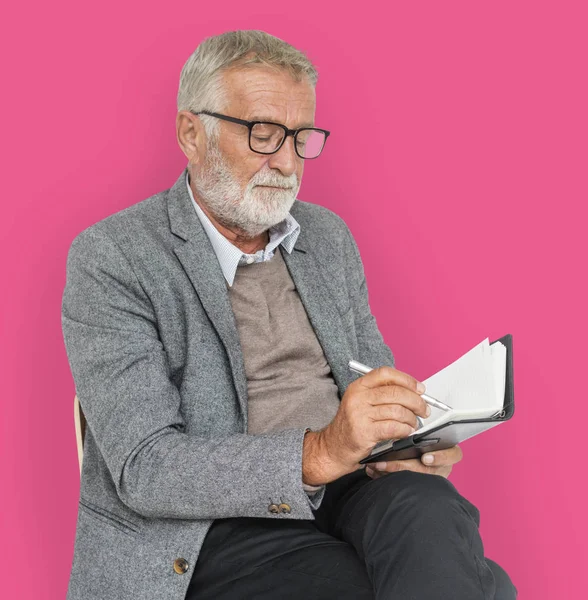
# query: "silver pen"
364,370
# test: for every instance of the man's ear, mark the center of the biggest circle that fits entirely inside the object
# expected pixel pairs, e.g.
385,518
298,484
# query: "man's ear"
190,135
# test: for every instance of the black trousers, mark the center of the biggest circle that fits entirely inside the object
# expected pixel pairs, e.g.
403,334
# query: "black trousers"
404,536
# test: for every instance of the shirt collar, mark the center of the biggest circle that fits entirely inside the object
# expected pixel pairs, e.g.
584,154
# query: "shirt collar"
284,233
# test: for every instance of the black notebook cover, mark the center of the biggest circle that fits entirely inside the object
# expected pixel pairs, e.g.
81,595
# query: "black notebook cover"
448,434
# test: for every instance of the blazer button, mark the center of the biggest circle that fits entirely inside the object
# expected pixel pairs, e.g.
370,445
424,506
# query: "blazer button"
273,508
180,566
284,508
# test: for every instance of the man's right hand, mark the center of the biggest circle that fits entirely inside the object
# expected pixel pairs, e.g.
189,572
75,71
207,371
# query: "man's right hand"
379,406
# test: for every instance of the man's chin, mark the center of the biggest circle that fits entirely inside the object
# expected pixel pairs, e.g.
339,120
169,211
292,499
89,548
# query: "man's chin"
270,207
254,229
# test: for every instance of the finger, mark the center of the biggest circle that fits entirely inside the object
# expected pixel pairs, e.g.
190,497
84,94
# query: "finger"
390,376
444,471
394,412
374,474
393,466
450,456
408,465
391,430
395,394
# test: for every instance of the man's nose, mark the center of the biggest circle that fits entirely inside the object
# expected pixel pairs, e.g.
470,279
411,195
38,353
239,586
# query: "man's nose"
285,159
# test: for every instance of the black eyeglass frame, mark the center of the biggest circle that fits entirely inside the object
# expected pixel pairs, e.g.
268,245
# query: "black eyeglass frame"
251,124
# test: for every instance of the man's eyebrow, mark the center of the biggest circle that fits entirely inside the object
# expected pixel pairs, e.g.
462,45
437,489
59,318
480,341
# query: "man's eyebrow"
266,118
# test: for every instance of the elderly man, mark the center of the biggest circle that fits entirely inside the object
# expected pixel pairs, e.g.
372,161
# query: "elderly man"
208,329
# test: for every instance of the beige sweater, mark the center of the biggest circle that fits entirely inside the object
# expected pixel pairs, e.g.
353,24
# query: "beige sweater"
289,381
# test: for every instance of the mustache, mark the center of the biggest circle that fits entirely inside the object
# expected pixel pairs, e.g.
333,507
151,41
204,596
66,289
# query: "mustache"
286,184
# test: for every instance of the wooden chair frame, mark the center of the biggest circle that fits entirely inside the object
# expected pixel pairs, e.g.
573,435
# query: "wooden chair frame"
80,425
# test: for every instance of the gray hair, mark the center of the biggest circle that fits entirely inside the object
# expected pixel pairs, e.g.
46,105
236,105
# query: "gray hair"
201,81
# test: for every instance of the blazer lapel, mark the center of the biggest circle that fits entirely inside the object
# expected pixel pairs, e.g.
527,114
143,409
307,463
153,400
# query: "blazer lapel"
197,256
199,260
321,309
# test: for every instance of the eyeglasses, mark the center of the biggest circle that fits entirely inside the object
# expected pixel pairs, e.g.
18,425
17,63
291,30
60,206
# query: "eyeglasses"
266,137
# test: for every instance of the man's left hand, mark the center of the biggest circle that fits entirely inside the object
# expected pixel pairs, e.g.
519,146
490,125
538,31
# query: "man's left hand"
441,464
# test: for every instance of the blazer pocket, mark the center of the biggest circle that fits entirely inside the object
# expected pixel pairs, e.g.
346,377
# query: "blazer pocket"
108,517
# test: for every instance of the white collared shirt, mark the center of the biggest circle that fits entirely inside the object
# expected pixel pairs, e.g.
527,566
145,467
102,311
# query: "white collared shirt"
230,257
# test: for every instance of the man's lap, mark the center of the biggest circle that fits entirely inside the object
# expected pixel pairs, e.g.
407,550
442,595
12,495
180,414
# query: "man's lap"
255,558
258,558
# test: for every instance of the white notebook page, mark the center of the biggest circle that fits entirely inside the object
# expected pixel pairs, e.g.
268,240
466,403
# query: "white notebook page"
473,385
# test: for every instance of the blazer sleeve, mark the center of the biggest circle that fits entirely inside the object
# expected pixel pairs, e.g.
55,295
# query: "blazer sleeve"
373,350
133,411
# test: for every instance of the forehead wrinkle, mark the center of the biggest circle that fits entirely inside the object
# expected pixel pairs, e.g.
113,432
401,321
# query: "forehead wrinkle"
259,103
261,110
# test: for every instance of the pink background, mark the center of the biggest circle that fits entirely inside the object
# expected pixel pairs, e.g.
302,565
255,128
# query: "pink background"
458,157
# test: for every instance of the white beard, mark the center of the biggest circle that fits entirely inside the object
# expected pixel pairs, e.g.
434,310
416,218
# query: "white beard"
255,210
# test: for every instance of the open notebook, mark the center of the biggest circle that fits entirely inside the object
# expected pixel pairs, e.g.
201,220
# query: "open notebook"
479,388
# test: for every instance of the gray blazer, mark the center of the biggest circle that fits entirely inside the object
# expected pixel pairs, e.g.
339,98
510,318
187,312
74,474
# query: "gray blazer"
155,355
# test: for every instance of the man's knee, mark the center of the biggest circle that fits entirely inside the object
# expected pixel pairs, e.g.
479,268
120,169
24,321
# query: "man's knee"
425,495
505,589
423,485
